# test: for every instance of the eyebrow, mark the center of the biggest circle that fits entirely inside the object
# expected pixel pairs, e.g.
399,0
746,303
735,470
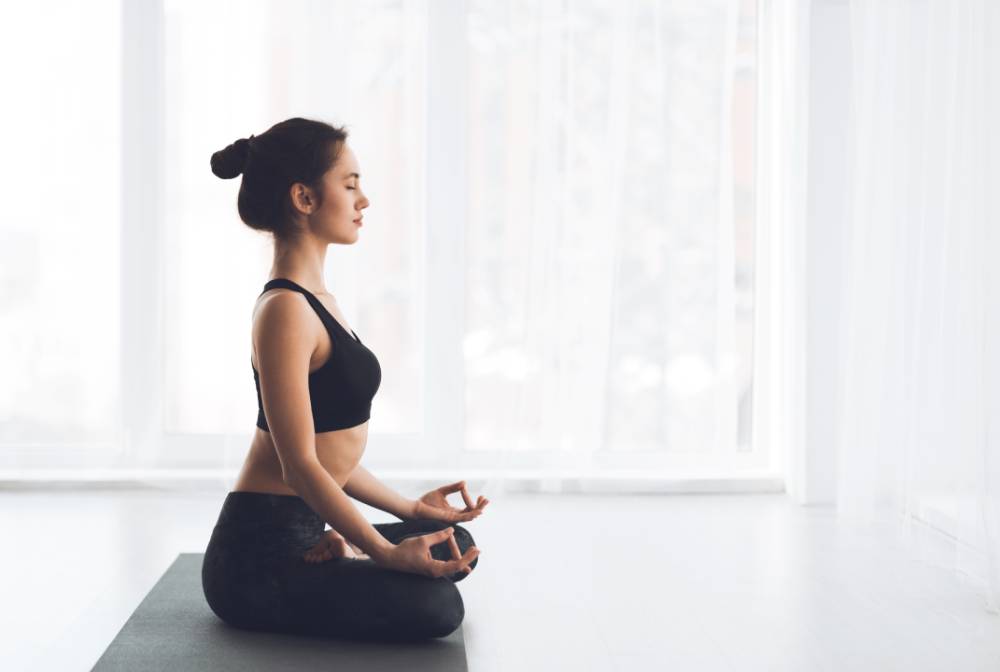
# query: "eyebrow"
352,175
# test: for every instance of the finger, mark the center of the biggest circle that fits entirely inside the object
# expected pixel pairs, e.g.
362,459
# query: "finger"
452,487
470,554
456,552
445,567
457,487
465,496
433,538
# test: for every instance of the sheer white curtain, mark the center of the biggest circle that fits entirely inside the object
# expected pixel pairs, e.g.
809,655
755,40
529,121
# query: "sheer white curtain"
919,442
609,254
236,69
59,233
557,269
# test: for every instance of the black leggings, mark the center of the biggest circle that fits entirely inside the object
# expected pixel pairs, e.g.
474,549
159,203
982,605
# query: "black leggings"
254,577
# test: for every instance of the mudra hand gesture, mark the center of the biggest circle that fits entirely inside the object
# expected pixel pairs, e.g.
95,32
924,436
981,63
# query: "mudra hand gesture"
434,505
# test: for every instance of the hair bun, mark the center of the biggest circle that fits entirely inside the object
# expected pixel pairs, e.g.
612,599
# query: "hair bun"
230,162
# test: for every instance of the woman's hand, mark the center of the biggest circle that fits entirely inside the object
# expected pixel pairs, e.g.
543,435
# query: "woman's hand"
333,545
434,505
414,555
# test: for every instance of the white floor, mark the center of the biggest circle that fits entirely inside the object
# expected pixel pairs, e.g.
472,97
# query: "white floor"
565,582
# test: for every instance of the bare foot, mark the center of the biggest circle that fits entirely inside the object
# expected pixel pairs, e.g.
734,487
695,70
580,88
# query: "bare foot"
333,545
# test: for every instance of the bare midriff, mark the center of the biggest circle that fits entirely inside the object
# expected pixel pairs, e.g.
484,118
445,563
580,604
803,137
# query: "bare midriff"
339,450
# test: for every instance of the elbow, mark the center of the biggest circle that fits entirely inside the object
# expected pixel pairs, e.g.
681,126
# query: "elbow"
295,474
292,479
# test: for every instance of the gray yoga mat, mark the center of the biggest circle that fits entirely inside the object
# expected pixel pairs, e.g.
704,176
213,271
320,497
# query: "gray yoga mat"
174,629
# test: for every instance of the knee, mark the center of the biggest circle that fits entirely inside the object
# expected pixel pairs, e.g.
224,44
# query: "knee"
445,612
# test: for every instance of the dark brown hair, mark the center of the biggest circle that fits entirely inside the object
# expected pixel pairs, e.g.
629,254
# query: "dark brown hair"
294,150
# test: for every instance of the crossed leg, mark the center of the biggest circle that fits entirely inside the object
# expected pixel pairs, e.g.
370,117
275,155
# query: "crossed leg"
357,599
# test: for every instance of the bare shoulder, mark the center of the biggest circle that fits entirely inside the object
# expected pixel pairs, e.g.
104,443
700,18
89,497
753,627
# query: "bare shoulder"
285,338
283,327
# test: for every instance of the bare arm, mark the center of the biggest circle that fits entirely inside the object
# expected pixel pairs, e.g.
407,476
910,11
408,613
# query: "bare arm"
364,487
323,494
285,341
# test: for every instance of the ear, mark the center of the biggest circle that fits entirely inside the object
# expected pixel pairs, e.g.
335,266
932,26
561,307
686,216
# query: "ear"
303,198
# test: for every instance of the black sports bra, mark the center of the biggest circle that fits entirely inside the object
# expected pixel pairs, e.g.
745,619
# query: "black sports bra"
341,390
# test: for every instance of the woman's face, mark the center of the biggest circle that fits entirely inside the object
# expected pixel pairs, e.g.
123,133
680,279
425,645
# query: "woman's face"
343,201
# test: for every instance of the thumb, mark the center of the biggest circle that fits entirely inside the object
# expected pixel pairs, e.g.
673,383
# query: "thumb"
439,536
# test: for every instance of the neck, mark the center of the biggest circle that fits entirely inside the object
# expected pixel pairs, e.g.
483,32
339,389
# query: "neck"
300,261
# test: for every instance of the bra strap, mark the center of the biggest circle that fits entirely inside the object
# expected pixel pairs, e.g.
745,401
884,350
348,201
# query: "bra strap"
285,283
317,305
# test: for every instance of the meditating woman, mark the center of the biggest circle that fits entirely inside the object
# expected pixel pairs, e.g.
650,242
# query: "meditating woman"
269,564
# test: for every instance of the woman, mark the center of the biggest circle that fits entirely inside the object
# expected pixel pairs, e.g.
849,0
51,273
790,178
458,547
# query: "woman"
269,564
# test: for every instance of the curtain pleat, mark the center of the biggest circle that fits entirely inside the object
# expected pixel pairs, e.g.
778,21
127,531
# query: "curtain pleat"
917,444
